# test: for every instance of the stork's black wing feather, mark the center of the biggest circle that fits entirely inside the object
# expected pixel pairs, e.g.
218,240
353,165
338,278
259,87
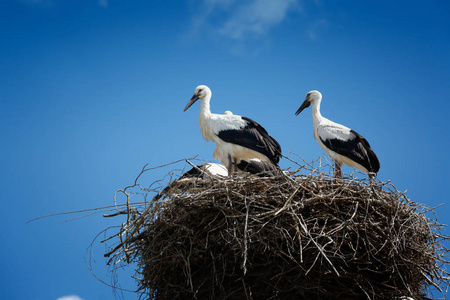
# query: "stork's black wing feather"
254,137
260,168
357,149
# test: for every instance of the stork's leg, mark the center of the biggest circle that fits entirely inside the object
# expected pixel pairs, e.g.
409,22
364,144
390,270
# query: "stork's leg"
373,184
230,165
337,170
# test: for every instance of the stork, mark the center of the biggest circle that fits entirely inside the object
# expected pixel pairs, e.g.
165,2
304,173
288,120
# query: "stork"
254,166
238,138
258,167
205,171
343,144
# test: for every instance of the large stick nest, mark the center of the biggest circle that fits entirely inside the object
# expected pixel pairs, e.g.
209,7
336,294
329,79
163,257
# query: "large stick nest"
285,237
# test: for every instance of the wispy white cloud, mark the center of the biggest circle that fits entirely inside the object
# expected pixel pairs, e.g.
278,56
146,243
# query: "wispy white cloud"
103,3
70,297
315,28
220,3
239,19
257,17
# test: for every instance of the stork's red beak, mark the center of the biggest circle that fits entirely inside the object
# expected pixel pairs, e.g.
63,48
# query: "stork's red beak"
304,105
192,101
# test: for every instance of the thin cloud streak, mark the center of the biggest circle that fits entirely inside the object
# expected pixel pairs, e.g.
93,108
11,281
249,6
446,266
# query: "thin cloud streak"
70,297
315,28
103,3
257,17
238,20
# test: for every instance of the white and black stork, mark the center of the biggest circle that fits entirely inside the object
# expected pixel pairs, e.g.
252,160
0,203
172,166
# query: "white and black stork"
343,144
205,171
254,166
238,138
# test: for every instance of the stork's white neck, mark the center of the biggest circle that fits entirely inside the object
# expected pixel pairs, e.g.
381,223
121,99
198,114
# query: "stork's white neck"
204,105
316,116
204,116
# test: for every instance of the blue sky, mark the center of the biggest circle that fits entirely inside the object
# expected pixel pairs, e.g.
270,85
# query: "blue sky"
91,91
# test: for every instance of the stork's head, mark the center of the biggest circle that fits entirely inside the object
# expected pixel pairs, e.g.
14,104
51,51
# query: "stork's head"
200,93
311,97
